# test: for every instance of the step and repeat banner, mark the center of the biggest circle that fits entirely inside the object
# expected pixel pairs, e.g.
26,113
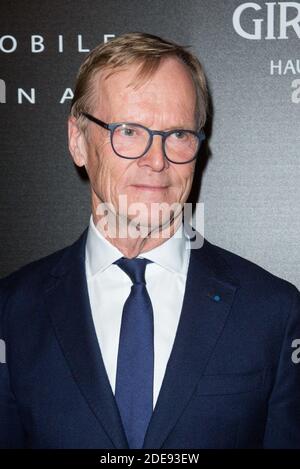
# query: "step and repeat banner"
250,185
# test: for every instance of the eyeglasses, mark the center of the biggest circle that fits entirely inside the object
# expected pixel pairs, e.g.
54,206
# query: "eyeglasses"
132,141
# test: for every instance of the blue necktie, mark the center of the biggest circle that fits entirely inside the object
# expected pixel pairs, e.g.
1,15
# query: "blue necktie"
135,365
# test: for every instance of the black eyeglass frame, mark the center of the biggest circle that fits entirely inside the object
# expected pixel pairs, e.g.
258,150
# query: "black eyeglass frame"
112,127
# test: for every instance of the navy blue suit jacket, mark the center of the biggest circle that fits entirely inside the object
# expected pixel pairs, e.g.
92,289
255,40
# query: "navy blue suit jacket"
230,381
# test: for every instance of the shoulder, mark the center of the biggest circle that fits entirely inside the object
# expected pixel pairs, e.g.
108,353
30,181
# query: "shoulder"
27,282
252,279
29,278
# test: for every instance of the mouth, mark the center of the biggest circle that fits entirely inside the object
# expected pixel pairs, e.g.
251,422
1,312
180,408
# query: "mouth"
148,187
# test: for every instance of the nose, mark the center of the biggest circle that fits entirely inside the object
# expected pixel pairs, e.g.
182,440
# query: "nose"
154,158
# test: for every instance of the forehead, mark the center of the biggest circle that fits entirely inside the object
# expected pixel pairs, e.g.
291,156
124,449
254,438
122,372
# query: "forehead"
170,87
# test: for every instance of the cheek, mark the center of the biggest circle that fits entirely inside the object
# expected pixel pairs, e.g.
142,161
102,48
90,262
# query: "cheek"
110,173
98,169
184,177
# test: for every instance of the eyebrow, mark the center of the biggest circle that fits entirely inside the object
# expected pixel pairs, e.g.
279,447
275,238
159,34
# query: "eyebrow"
172,127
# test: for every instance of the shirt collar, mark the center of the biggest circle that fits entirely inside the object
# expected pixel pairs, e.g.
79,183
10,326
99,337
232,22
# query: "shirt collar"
172,255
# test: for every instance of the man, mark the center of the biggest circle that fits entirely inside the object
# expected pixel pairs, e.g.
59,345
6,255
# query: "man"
138,340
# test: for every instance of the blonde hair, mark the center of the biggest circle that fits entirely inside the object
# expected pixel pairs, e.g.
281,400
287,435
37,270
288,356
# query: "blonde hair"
127,49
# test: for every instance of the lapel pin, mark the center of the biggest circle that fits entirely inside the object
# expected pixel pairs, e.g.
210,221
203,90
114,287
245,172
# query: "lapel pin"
216,298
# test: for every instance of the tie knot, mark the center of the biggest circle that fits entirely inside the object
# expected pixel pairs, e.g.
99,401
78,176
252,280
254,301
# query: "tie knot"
134,268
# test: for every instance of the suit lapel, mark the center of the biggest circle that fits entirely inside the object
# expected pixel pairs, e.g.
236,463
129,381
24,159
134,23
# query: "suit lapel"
207,302
67,301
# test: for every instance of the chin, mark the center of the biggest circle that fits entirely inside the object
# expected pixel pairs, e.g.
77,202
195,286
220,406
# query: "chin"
154,222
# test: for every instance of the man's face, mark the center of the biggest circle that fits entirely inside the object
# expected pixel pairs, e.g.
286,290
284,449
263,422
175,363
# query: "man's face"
167,100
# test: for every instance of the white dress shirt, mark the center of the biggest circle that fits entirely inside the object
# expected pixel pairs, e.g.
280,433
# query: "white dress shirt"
109,287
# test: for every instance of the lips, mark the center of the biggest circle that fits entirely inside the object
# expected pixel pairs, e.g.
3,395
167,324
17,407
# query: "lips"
149,187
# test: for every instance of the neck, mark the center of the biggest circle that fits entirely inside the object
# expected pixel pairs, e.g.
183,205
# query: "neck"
133,246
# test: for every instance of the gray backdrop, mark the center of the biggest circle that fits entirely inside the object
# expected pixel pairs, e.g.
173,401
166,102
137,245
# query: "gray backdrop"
250,184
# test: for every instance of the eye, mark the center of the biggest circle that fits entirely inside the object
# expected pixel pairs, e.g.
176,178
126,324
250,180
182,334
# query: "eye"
127,131
180,134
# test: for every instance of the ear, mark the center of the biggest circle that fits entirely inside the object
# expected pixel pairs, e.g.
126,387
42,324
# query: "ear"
77,142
